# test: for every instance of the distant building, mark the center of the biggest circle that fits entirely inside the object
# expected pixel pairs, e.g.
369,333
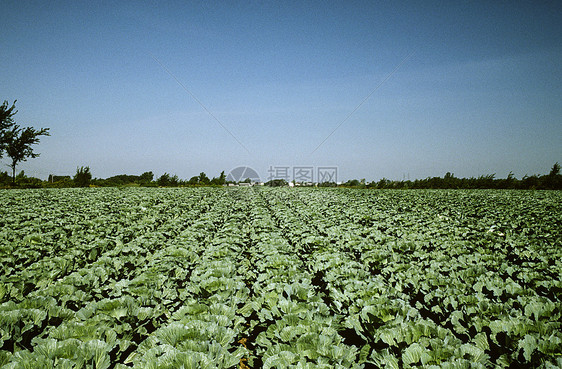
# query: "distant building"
55,178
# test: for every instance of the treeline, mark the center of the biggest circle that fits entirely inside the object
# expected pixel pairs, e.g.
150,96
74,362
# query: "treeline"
83,178
551,181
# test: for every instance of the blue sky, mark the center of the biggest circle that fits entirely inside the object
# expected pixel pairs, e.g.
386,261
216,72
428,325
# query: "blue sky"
479,90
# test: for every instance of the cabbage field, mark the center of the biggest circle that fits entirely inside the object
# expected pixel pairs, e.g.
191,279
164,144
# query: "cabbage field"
280,278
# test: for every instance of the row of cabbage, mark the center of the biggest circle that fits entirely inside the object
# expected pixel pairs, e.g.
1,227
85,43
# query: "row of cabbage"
279,278
451,279
148,296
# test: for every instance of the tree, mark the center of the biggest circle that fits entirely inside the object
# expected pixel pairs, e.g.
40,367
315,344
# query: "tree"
219,181
353,183
5,178
146,177
6,122
18,143
82,177
203,179
164,180
383,183
555,170
15,140
554,180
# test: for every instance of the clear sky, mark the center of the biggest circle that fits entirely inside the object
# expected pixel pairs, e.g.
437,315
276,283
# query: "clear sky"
465,87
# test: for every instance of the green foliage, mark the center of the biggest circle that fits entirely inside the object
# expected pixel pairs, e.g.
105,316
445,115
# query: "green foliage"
203,179
16,141
221,180
353,183
277,183
145,178
552,181
555,170
21,181
55,181
279,278
5,179
18,144
82,177
166,180
6,123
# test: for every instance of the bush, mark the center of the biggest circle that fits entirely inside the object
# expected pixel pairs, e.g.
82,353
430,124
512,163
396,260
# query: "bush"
82,177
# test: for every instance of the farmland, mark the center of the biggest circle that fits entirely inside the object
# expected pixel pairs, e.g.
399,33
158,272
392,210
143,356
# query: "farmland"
280,278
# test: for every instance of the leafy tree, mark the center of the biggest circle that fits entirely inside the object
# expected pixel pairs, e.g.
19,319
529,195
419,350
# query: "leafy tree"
15,140
28,182
509,182
6,122
146,177
164,180
18,142
554,180
5,178
219,181
203,179
383,183
353,183
222,178
82,177
486,181
555,170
